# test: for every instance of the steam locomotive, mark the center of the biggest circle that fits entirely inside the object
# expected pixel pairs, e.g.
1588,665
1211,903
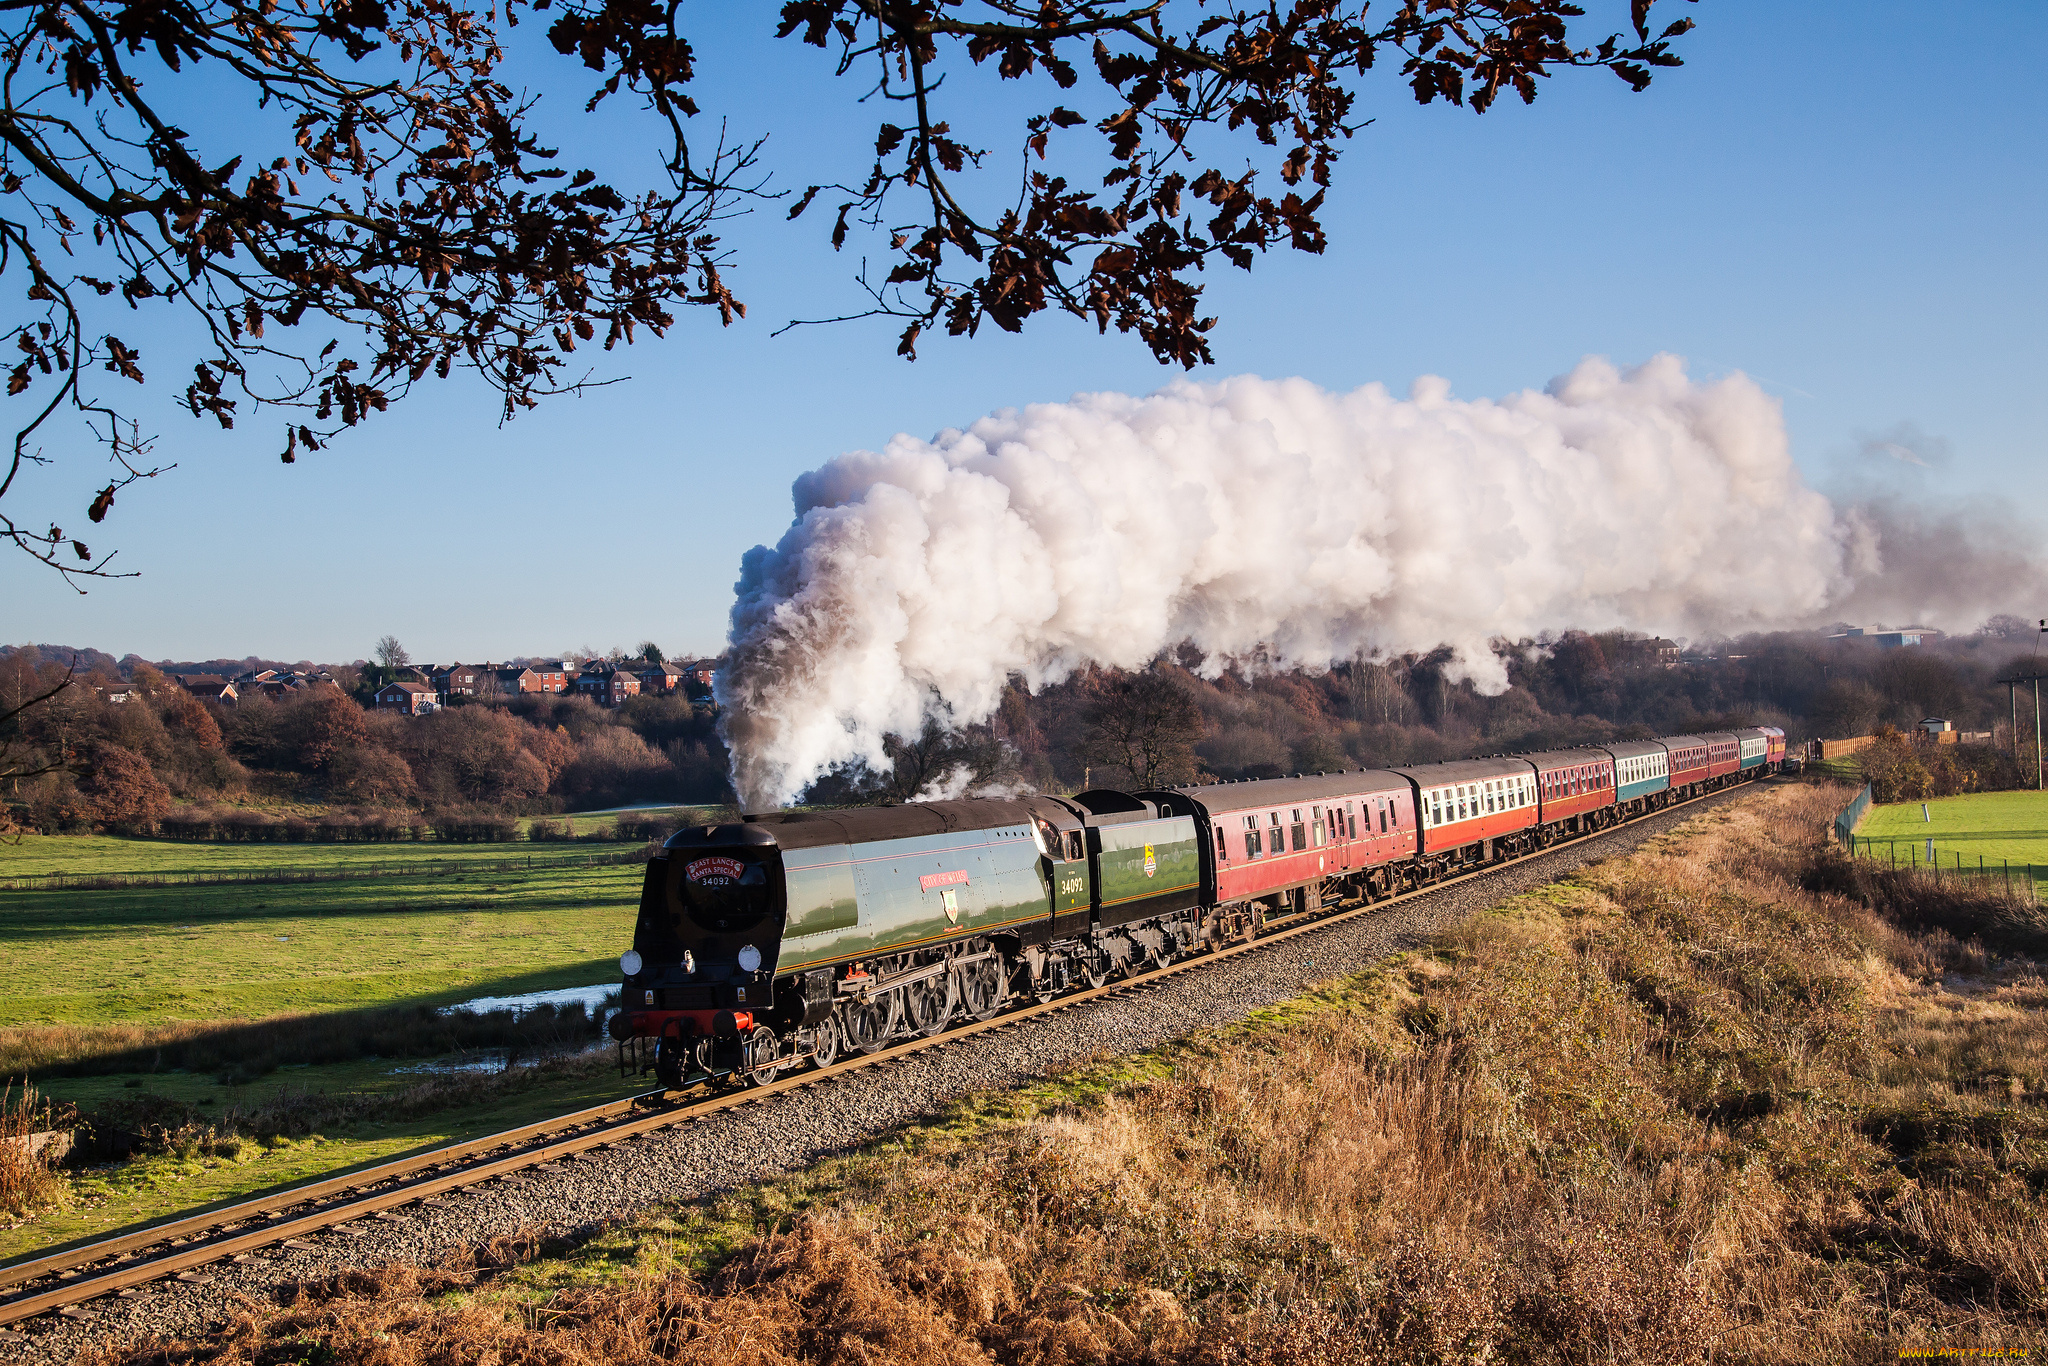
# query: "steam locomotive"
793,937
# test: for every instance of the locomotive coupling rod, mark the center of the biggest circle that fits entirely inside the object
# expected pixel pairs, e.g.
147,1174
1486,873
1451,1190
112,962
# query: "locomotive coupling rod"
903,979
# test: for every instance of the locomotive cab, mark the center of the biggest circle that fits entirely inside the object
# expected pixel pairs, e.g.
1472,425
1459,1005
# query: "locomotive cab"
705,946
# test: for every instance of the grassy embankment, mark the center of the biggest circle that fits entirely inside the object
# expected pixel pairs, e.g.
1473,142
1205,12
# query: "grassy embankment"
1675,1108
302,1014
1991,831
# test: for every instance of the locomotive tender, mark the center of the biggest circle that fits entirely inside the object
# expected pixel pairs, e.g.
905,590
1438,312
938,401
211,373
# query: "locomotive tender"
795,936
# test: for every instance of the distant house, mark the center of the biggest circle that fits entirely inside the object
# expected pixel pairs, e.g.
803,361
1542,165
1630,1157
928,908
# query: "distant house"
408,699
275,683
553,675
698,673
211,687
514,678
655,679
460,680
606,683
1893,640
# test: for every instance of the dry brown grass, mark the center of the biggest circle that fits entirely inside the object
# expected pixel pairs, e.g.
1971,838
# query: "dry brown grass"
28,1180
1692,1106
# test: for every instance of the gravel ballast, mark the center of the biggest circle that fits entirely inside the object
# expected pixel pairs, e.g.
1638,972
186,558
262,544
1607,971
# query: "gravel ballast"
789,1132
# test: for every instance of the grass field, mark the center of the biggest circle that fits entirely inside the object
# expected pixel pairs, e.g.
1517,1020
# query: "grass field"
107,1199
149,955
86,967
1994,827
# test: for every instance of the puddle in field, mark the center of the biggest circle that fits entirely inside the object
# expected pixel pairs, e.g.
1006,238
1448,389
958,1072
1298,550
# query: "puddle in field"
593,1000
493,1061
489,1061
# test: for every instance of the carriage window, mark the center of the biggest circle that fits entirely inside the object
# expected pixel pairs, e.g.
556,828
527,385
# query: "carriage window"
1251,836
1383,817
1222,849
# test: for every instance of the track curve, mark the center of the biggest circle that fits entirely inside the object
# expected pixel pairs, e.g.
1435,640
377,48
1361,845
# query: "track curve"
174,1253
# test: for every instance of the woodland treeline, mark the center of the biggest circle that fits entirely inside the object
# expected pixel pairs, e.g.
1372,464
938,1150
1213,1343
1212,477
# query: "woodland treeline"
1171,724
166,756
168,761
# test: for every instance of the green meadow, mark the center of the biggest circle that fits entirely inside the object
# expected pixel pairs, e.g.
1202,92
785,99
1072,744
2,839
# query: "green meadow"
1990,830
150,955
89,971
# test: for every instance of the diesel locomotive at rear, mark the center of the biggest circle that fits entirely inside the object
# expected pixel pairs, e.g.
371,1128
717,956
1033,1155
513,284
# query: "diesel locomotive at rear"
791,938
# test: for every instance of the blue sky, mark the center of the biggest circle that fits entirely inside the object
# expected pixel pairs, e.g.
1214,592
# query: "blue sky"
1845,201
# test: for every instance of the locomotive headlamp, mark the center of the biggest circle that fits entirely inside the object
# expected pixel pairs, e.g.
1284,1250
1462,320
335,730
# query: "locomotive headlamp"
750,958
629,962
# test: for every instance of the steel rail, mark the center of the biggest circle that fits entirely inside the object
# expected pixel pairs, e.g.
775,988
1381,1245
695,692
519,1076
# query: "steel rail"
616,1124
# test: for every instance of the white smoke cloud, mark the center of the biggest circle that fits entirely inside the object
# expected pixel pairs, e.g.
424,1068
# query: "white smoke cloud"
1266,520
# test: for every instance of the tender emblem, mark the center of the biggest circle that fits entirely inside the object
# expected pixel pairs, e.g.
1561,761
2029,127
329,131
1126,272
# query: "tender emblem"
1151,861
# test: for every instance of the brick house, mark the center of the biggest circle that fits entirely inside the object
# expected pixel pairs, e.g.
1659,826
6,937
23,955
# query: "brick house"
513,679
697,676
211,687
655,679
461,680
408,699
553,675
606,683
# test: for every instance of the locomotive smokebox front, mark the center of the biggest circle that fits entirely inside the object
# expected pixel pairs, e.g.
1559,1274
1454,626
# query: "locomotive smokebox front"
712,907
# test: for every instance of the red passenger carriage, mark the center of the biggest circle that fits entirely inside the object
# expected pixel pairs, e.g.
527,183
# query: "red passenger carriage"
1724,754
1574,788
1688,760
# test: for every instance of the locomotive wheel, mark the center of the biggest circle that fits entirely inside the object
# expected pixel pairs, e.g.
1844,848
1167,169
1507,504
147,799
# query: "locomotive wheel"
928,1006
979,988
863,1026
668,1064
761,1056
1096,969
825,1043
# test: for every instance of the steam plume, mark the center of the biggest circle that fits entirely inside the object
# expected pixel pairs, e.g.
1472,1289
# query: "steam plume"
1266,521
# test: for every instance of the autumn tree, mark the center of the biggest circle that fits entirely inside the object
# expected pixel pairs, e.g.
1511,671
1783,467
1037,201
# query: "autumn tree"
119,788
375,205
1145,724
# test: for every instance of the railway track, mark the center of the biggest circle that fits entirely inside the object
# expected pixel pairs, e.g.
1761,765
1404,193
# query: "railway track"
61,1281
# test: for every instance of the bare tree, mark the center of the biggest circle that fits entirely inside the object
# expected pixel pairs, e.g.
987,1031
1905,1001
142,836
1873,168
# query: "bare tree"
391,654
943,761
1145,724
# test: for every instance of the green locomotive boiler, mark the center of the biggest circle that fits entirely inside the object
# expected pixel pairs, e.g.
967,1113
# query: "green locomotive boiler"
793,937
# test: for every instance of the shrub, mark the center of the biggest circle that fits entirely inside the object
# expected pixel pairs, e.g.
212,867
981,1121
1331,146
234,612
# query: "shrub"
656,828
470,826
